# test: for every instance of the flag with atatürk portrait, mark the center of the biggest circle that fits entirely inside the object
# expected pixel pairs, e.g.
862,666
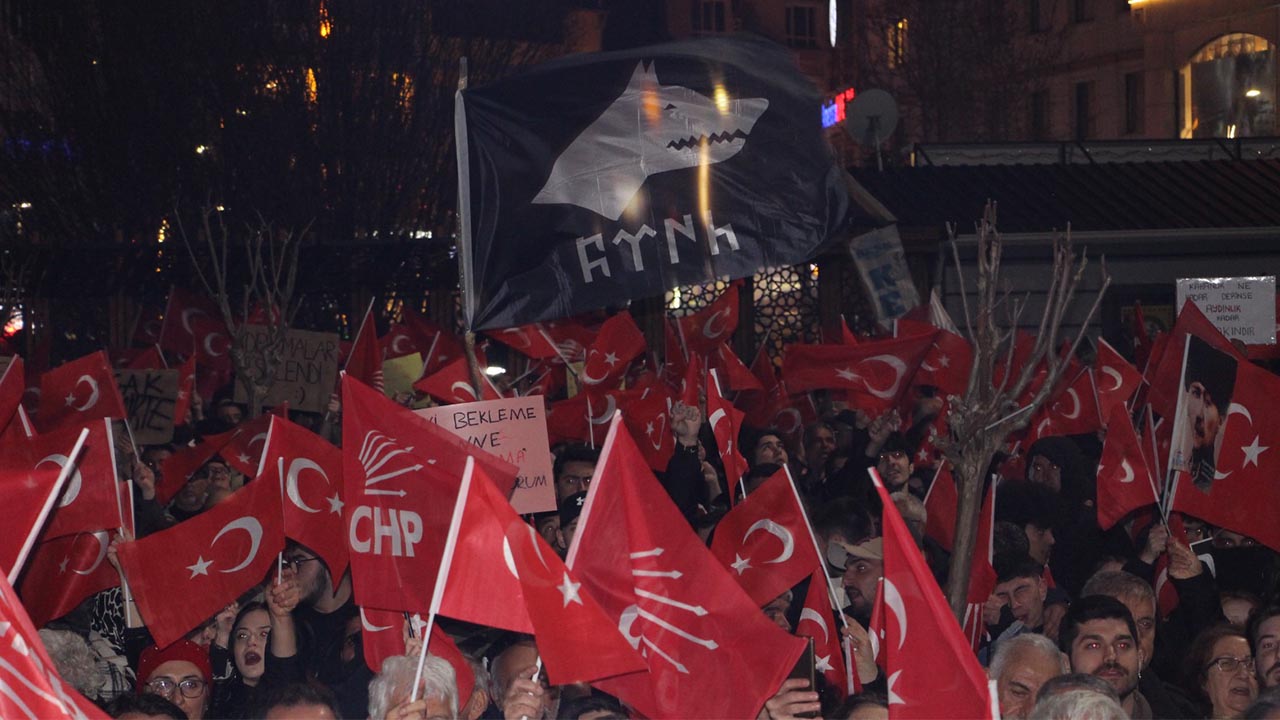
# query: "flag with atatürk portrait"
600,177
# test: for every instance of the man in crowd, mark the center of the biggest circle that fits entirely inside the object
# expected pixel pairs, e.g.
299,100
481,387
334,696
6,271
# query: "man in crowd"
1021,587
1099,636
573,470
1264,638
1020,666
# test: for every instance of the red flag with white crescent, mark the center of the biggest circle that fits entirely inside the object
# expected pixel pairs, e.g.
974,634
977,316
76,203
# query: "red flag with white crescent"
364,363
62,572
207,561
817,622
726,422
875,373
764,542
452,384
88,501
310,471
79,391
711,652
1117,379
244,450
703,330
1125,480
615,346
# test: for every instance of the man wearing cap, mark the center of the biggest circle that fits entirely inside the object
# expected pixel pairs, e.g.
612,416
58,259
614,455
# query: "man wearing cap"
180,674
863,565
570,509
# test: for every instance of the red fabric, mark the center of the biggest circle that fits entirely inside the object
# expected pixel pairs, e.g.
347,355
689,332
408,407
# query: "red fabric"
941,504
13,386
560,339
1244,492
62,572
692,389
185,574
726,423
932,671
382,636
982,574
711,652
178,333
647,414
1125,481
244,451
757,404
88,501
310,470
1071,411
150,358
1165,380
530,591
947,364
817,622
438,345
31,685
182,464
153,657
764,542
734,375
79,391
1117,379
675,356
365,361
616,345
1142,344
186,386
875,373
703,330
452,384
401,475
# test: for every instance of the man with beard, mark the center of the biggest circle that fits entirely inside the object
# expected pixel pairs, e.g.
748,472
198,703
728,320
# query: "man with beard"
1264,638
863,567
1100,638
321,618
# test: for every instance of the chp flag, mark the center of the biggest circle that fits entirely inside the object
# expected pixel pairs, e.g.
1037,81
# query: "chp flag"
599,177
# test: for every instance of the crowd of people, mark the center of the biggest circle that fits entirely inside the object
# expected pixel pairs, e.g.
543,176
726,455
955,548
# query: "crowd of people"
1131,622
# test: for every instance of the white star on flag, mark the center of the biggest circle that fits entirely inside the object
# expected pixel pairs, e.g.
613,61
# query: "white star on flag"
610,359
740,563
823,664
62,566
570,591
71,399
648,429
335,504
201,567
944,361
243,458
1252,451
847,374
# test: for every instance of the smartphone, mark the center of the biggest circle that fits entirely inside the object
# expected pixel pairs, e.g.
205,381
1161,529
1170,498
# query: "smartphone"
805,669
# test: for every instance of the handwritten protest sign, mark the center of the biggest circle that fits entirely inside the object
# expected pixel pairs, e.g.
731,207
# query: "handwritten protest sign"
883,266
149,397
514,429
1242,308
307,374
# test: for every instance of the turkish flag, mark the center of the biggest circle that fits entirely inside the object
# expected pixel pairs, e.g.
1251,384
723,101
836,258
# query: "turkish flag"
562,339
765,542
79,391
616,345
178,333
940,505
13,386
452,384
439,346
147,330
703,330
1165,379
1244,493
726,422
816,621
839,335
88,501
947,364
382,636
401,474
186,386
921,635
183,575
647,414
178,468
676,358
28,494
1125,481
365,361
874,373
1154,451
212,346
758,404
63,572
692,389
244,451
711,652
1117,379
30,686
733,373
310,470
1071,411
1142,343
149,358
531,591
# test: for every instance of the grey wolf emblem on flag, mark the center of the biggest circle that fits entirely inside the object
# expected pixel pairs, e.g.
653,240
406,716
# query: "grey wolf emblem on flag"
649,129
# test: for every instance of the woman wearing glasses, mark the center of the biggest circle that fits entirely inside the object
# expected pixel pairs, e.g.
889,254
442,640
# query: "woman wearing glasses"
180,674
1221,666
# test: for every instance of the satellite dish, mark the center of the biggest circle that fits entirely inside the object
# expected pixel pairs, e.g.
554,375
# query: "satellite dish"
870,118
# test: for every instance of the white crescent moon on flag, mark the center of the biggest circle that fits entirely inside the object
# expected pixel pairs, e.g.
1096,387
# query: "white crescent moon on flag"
1115,376
899,370
587,379
660,431
783,534
716,417
251,526
509,559
607,415
924,364
101,538
73,483
893,600
93,393
1127,477
186,318
1233,409
811,614
465,387
707,326
791,414
537,550
1075,404
208,345
395,345
369,627
256,439
291,481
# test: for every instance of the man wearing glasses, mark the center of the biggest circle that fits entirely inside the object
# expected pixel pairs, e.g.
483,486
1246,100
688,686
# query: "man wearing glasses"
180,674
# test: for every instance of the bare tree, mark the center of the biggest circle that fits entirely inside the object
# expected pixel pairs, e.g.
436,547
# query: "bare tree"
981,421
260,288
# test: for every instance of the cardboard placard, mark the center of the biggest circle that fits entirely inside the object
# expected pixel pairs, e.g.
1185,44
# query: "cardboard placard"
514,429
149,398
399,374
1242,308
882,263
306,376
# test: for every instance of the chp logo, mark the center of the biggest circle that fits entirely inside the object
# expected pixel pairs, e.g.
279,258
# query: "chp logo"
375,529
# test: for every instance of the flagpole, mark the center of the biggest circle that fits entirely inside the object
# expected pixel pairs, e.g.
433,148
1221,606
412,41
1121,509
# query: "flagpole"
442,575
822,561
67,468
582,387
572,553
115,483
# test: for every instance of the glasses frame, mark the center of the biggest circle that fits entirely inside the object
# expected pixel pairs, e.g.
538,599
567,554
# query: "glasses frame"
180,687
1248,661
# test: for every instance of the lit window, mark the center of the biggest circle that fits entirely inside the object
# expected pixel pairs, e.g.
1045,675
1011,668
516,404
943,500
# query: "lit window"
1228,89
897,43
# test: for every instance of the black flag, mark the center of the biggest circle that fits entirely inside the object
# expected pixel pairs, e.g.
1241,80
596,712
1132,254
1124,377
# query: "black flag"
598,178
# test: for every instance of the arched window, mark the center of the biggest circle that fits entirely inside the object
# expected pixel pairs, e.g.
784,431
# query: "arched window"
1228,89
